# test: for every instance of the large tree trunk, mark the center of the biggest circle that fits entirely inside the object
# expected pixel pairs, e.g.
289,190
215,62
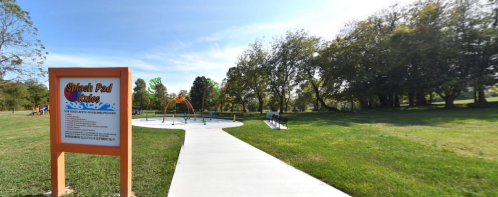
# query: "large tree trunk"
449,102
421,98
475,93
352,104
390,102
287,104
371,102
260,100
411,99
481,96
396,101
449,97
244,107
363,103
317,94
316,105
383,100
281,104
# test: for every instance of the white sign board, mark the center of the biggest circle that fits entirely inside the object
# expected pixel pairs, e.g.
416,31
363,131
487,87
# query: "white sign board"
89,111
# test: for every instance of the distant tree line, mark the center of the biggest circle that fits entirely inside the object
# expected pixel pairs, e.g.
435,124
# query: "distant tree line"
142,98
22,95
412,54
156,101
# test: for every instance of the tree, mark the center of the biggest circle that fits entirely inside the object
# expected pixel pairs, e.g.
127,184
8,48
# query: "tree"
197,91
479,43
14,94
140,96
157,93
308,66
211,93
38,93
254,76
225,98
283,63
237,87
430,46
360,63
304,97
20,52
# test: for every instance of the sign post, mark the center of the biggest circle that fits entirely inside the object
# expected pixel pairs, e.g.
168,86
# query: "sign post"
91,114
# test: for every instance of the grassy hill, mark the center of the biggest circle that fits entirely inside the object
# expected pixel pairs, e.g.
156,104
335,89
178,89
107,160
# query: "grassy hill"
407,152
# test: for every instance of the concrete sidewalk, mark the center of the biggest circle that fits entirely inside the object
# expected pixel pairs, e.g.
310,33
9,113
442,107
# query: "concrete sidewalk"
214,163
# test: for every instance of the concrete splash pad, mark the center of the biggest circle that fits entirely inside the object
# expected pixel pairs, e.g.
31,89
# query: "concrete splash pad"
215,163
157,122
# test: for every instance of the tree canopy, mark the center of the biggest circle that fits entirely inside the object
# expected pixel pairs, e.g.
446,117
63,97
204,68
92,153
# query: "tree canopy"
197,91
21,53
401,54
140,94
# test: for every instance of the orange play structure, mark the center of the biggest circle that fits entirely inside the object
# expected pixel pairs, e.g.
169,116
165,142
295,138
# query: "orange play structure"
180,99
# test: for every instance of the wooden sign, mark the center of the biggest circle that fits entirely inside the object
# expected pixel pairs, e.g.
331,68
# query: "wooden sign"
91,113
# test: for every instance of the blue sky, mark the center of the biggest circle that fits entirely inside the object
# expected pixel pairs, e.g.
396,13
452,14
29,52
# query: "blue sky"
178,40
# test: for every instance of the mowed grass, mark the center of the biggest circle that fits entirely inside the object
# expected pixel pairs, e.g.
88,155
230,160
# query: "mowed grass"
467,101
25,161
390,152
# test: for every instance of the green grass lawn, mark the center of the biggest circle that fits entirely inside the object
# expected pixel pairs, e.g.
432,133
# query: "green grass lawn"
406,152
25,161
467,101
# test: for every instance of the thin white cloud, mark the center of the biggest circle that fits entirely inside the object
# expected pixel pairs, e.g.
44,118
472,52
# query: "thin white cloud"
242,31
85,60
178,71
325,23
217,58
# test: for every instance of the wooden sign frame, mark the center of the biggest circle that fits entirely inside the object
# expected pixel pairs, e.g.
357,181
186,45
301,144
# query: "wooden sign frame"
57,148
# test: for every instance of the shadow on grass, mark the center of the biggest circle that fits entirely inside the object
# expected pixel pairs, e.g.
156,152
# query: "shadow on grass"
399,117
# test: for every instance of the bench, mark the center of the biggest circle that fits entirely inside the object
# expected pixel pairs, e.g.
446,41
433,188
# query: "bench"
282,121
273,118
278,119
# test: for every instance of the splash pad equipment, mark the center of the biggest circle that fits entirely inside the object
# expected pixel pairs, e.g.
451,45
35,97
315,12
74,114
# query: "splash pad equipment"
180,98
42,110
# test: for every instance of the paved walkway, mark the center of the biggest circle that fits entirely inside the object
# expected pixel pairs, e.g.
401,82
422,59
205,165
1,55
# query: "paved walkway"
214,163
